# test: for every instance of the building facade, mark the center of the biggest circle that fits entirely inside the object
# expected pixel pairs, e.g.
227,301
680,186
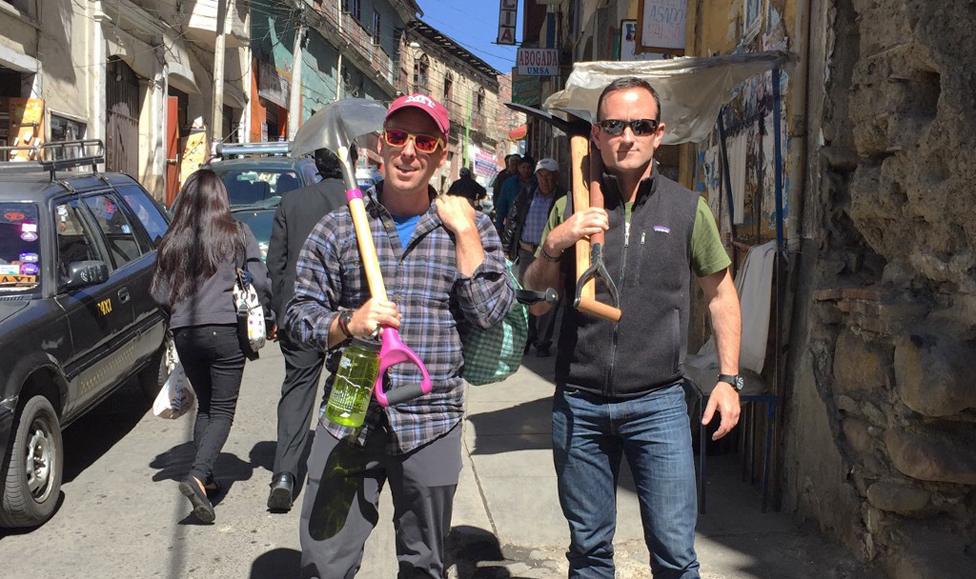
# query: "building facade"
432,63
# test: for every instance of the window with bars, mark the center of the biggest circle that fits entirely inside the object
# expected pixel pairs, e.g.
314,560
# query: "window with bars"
421,68
448,89
352,7
376,26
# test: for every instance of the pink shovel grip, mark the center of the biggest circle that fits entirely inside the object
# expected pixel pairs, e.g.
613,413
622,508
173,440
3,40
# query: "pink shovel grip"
392,352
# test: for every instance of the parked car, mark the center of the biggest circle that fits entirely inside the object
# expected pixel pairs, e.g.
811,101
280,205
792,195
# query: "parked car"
77,252
260,220
257,175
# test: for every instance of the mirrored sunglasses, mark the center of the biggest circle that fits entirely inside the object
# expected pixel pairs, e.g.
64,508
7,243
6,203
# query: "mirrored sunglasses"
640,127
421,142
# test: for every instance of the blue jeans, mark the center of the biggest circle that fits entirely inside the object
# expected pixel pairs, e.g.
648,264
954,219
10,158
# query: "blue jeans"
589,434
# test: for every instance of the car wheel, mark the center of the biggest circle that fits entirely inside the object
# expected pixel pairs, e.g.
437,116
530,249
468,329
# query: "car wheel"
33,483
157,370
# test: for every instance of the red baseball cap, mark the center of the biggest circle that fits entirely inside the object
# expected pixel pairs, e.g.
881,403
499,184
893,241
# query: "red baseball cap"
434,109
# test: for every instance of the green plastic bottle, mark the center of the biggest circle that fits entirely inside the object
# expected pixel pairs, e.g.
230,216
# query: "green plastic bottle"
353,384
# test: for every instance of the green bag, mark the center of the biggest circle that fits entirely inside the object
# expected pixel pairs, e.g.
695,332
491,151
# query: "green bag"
496,353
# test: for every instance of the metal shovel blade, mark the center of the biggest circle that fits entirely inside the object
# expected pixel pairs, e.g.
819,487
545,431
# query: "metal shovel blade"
336,125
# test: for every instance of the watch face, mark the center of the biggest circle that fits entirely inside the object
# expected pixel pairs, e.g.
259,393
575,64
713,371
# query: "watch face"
739,383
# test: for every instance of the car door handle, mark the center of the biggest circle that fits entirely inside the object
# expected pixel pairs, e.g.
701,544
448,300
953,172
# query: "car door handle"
124,295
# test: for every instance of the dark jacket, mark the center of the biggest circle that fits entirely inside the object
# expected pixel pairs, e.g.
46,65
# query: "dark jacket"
496,185
651,267
299,213
213,301
467,187
513,227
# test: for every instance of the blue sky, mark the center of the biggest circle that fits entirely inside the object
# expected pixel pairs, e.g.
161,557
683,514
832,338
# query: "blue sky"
474,25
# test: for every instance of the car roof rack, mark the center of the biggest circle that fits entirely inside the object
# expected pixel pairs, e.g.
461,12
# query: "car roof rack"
45,157
225,150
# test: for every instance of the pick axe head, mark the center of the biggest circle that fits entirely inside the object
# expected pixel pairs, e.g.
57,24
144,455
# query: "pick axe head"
335,126
574,127
589,255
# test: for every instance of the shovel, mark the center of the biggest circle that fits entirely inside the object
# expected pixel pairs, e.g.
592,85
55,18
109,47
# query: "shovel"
335,127
589,252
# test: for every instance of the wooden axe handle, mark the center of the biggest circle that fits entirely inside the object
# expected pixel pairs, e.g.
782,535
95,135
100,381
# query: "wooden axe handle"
579,147
599,309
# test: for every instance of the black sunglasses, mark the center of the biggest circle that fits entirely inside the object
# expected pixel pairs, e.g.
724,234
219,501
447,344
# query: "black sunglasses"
640,127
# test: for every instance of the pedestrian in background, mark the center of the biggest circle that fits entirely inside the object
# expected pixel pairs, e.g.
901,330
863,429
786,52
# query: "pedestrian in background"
443,264
619,387
294,220
467,187
521,181
196,269
511,168
523,230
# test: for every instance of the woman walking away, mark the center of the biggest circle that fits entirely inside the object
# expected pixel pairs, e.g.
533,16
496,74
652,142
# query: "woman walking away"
196,269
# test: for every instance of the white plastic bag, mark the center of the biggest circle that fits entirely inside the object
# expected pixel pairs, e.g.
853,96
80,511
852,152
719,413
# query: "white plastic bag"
176,396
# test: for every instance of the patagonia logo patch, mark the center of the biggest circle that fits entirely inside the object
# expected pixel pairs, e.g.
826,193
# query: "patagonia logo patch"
662,229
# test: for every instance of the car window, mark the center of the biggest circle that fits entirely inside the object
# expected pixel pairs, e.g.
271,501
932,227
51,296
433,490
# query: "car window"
20,248
311,173
119,236
146,211
74,240
259,186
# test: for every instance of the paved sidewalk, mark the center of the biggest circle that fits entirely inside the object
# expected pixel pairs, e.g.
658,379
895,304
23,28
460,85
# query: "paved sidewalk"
508,523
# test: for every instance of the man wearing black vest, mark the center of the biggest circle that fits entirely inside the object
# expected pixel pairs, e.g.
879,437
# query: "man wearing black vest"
619,387
299,212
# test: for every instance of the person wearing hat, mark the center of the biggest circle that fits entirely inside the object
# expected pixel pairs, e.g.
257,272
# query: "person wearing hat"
443,265
467,187
523,181
300,210
523,230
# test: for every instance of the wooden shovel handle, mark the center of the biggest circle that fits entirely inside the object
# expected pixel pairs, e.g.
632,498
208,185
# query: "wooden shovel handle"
367,251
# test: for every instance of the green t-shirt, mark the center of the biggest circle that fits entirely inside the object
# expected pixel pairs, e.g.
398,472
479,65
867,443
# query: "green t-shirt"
708,255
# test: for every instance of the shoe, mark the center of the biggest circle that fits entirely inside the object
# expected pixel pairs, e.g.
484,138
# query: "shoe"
282,493
543,351
528,346
202,508
212,487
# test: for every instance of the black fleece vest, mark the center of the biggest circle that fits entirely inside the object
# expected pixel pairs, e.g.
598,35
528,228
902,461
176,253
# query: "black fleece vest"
651,266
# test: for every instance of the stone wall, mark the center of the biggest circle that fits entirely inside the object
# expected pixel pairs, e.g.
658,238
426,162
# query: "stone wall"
881,426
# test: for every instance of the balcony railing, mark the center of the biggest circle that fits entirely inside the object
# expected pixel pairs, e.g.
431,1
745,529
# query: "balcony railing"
360,39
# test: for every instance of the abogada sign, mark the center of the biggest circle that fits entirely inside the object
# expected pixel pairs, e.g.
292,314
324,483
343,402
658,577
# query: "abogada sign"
538,61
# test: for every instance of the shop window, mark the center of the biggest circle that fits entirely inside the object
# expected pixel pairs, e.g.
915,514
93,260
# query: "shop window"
65,129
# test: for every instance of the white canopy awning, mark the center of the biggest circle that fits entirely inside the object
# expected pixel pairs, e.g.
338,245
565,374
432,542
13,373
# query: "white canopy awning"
692,89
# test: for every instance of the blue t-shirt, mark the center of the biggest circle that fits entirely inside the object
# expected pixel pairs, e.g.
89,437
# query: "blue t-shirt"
405,227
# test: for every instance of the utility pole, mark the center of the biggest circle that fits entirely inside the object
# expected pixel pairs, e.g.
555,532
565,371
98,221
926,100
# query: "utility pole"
224,8
295,93
339,50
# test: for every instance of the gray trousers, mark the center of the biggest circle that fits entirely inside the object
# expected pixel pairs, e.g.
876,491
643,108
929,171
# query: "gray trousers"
341,501
540,327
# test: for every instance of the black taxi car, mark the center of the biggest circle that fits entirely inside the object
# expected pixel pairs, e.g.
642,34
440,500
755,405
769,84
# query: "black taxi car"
77,252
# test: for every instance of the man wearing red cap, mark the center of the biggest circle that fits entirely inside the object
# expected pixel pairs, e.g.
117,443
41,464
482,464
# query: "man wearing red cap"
443,266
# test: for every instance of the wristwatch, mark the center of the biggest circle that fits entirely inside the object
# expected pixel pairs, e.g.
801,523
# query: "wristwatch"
737,381
344,317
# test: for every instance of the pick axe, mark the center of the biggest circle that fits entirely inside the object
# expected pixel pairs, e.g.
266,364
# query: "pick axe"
589,252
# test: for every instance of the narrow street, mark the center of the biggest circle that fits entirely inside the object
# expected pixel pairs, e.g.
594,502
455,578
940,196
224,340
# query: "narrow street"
122,516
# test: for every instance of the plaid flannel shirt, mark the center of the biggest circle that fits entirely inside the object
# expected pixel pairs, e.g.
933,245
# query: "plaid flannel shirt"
431,295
